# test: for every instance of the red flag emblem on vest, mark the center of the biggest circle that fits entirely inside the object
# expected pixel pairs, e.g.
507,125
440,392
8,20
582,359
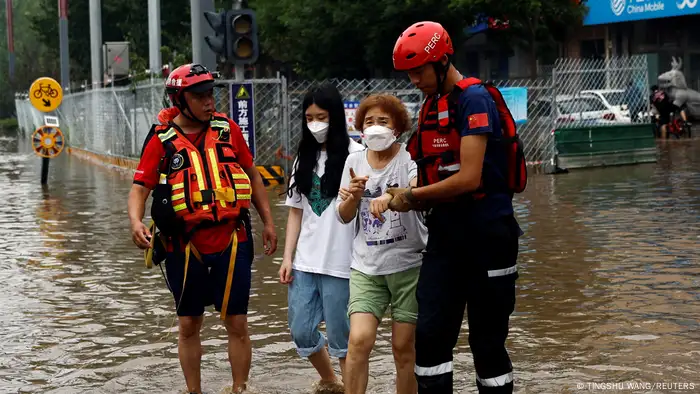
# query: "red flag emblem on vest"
478,120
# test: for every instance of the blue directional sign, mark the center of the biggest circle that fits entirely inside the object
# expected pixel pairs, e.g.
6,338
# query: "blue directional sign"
243,111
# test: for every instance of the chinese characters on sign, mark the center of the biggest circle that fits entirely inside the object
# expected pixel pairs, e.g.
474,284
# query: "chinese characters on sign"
350,110
243,111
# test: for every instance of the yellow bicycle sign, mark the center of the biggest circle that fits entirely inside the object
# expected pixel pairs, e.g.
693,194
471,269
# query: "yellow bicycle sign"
45,94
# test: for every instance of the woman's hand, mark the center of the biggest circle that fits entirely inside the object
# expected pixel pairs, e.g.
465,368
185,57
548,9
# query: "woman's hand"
380,205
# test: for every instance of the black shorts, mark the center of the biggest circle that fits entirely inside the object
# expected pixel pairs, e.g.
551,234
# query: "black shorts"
206,280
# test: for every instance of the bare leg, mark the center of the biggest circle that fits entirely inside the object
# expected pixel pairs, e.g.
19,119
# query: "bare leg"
363,333
189,350
240,351
341,361
322,362
403,336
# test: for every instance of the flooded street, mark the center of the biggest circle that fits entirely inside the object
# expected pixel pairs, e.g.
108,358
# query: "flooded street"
609,287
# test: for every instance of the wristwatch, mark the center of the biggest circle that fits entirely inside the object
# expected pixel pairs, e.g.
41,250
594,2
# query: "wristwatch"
409,194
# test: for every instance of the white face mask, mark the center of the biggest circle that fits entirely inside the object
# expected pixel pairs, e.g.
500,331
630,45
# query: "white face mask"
319,130
378,138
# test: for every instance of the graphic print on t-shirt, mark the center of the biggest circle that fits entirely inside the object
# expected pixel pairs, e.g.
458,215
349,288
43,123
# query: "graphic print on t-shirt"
376,232
316,200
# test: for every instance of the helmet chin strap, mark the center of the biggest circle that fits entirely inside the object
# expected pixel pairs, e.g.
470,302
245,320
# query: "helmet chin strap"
441,73
184,109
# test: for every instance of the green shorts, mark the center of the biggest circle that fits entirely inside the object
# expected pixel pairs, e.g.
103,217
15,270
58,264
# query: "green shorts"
374,293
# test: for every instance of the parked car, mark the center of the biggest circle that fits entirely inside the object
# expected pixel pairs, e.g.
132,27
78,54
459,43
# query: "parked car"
577,111
613,99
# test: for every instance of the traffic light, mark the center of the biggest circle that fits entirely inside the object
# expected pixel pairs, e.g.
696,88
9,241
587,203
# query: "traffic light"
218,42
242,36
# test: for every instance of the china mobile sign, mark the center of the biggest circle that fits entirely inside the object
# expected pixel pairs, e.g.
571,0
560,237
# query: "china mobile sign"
612,11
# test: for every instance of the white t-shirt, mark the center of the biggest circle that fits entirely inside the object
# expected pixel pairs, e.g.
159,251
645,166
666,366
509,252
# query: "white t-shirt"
324,245
397,244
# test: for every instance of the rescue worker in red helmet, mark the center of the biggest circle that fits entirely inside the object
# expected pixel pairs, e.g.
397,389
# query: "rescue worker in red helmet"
203,180
464,182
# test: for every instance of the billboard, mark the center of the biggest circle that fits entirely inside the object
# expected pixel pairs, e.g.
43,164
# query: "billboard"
613,11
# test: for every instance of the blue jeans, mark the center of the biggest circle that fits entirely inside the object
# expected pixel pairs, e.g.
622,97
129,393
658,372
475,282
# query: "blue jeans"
314,298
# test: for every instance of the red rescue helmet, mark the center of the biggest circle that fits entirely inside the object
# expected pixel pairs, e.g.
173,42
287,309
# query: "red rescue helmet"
189,77
420,44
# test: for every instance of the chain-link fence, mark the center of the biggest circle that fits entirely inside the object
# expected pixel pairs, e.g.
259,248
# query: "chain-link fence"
601,91
536,128
115,121
579,92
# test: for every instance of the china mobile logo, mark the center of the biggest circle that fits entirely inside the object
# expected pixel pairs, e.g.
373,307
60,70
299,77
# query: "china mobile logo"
686,3
618,6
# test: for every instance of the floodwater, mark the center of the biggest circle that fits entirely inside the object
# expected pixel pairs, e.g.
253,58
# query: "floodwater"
608,295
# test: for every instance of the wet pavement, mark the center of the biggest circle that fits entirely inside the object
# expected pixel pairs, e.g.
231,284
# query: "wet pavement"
608,290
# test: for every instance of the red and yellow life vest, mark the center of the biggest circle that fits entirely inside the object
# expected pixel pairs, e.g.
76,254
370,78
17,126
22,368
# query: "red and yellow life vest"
207,183
435,146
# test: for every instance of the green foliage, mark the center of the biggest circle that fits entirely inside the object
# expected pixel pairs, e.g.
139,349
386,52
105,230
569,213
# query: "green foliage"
314,38
535,25
37,40
344,38
8,123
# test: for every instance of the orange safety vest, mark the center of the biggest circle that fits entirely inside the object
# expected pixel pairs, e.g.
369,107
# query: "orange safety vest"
207,184
435,146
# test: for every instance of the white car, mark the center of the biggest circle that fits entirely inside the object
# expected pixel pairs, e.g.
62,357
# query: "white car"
614,100
577,111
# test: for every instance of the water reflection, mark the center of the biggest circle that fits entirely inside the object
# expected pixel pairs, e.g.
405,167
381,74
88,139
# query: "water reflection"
608,288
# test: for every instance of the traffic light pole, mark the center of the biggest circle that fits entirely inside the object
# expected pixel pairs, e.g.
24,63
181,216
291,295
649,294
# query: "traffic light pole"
239,69
200,29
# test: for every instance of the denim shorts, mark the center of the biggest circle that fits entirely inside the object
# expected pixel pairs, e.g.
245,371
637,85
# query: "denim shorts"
314,298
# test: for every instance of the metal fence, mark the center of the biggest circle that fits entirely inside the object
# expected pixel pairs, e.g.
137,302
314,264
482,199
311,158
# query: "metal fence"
115,121
579,92
617,87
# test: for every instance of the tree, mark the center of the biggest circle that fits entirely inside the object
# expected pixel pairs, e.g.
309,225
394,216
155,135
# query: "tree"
122,20
535,25
344,38
32,59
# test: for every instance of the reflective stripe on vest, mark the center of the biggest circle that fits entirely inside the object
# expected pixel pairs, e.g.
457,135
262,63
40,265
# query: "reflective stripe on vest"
200,176
167,135
207,183
215,171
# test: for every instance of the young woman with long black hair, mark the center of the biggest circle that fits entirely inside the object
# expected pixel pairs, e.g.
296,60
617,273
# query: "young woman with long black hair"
316,263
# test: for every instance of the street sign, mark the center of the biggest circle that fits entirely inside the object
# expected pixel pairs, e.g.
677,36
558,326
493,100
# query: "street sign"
51,121
47,141
45,94
350,110
243,111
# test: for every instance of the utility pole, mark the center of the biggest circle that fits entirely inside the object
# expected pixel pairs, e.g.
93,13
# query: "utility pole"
63,37
155,59
96,42
200,28
10,39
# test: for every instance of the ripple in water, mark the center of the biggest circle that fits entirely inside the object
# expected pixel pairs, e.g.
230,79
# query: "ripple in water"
608,289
